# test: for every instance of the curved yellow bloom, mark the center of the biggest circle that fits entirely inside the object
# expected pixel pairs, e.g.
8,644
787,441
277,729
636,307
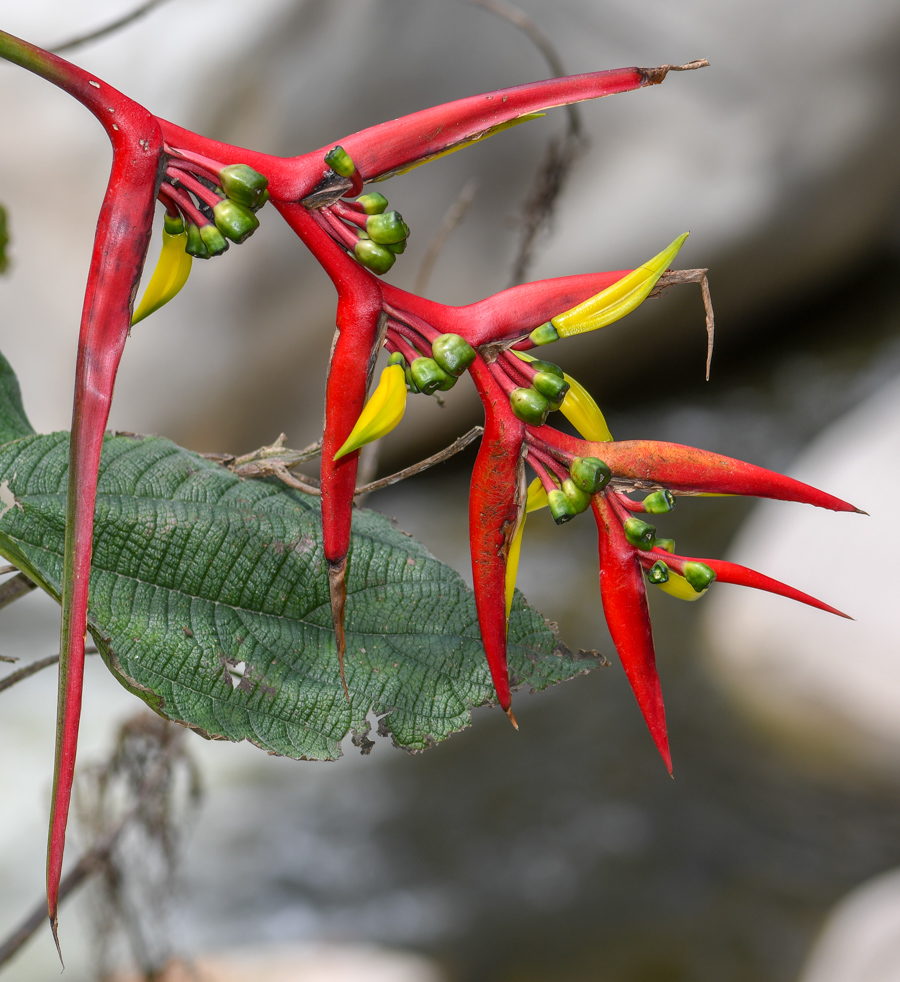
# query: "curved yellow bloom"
381,413
678,586
584,414
580,409
537,498
612,303
168,278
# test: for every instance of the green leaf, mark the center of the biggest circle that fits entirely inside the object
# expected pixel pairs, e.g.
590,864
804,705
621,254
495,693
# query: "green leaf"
209,599
13,421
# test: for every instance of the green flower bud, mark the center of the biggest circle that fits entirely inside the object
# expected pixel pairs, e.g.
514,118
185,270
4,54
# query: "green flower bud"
590,474
195,246
547,366
545,334
453,353
550,386
659,502
699,575
639,534
578,499
560,507
387,228
397,359
397,248
411,382
372,203
260,201
173,224
242,184
658,573
340,162
430,377
530,406
666,544
235,221
213,240
374,256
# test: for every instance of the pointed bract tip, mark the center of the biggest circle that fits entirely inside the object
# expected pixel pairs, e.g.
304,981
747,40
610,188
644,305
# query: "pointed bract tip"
512,718
54,928
859,511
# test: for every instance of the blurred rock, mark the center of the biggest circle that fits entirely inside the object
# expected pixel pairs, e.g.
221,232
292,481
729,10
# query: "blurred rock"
827,685
861,939
302,963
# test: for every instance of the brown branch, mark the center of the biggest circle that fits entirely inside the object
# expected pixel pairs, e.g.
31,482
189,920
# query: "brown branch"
451,219
32,669
678,277
459,444
655,75
101,32
560,155
15,588
91,862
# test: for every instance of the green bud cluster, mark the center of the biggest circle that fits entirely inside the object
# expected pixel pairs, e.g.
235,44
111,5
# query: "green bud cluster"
385,234
245,191
547,391
667,545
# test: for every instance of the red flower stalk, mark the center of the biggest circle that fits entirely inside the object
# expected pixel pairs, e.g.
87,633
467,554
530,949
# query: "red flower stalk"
199,181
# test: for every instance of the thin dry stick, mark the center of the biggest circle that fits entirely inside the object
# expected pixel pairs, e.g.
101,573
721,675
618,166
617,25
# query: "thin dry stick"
90,863
560,155
678,277
15,588
100,32
455,214
32,669
459,444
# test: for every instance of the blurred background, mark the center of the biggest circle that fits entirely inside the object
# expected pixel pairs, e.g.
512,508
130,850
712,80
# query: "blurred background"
563,851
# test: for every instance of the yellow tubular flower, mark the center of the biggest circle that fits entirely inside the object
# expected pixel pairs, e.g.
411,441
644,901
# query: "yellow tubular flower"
678,586
612,303
168,278
584,414
537,498
381,413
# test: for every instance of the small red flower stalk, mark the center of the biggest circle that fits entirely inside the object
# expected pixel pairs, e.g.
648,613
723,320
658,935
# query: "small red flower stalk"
211,192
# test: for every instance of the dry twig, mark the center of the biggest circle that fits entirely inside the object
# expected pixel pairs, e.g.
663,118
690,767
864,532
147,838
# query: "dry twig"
678,277
110,28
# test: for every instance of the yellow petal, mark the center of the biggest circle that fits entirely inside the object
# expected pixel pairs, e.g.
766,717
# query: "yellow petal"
678,586
584,414
491,131
512,565
619,299
381,413
537,496
168,278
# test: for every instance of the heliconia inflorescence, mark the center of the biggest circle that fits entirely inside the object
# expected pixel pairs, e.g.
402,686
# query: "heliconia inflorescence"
211,193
